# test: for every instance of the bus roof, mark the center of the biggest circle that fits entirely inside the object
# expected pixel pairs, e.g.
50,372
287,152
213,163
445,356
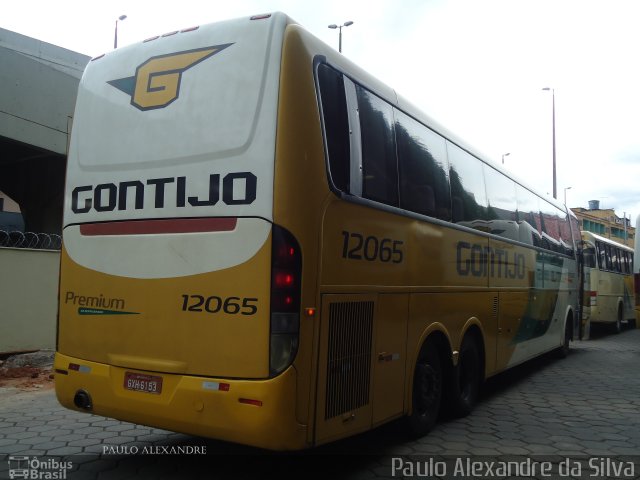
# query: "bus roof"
604,240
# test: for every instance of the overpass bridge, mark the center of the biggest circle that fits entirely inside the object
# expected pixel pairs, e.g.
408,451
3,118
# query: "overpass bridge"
38,87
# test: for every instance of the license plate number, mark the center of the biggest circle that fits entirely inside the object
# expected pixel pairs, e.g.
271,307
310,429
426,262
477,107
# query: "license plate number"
143,383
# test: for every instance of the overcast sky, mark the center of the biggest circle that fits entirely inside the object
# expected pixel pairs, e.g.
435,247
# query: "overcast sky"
477,66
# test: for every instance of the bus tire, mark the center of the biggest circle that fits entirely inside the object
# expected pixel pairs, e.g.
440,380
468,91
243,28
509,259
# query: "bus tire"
617,327
467,378
427,390
563,351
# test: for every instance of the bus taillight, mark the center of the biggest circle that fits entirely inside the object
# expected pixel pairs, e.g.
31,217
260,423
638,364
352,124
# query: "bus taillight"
286,268
593,298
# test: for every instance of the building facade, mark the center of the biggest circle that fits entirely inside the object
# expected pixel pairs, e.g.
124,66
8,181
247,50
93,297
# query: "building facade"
606,223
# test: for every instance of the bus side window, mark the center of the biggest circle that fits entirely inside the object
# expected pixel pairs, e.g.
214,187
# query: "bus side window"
551,219
422,163
607,257
380,168
565,233
336,125
501,193
468,192
624,261
589,255
575,230
529,217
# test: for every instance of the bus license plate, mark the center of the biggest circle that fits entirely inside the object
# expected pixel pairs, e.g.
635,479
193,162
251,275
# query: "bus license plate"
143,383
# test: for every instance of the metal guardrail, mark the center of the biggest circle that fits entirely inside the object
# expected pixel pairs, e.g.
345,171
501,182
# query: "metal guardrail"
37,241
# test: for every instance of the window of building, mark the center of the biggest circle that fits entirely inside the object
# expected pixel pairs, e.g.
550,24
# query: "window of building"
594,227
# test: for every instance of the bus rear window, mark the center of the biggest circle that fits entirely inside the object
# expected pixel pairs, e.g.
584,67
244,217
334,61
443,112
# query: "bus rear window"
336,125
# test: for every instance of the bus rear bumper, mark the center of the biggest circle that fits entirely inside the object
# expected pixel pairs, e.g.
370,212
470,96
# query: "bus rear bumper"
260,413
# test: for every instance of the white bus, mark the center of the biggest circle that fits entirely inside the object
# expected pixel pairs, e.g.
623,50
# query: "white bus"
636,270
608,282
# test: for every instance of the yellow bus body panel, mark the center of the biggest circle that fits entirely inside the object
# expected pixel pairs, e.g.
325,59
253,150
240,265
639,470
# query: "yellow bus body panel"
188,404
148,327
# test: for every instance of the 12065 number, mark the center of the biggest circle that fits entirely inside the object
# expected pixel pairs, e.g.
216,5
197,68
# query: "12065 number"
356,246
215,304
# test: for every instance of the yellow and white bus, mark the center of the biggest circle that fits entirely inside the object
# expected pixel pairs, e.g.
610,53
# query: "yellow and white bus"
636,273
609,296
266,245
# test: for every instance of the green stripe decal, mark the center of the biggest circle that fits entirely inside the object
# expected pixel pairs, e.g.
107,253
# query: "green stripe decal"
101,311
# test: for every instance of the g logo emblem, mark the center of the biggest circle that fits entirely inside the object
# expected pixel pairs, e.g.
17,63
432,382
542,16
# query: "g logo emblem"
156,83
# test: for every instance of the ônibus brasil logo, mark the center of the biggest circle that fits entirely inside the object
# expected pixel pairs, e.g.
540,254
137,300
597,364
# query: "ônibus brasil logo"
35,468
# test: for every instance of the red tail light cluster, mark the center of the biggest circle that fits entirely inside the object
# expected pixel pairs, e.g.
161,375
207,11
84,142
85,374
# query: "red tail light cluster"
286,270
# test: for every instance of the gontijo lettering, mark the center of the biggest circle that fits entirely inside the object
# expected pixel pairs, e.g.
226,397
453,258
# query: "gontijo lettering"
482,261
237,189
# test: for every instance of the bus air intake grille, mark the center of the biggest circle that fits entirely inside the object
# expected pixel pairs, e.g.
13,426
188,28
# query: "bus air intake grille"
494,309
349,358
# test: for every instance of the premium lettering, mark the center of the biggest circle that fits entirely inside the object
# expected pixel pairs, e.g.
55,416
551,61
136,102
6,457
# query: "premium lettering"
99,301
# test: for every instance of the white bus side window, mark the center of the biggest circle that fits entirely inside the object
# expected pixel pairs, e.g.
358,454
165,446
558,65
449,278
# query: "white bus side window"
589,255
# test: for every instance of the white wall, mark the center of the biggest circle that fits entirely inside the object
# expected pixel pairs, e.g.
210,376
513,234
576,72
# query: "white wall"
28,299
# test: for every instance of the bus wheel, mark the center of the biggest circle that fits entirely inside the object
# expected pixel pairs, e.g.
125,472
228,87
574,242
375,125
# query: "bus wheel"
617,327
563,351
427,390
467,377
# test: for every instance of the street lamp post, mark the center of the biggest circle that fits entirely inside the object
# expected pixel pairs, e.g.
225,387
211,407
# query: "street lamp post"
565,194
553,117
115,36
339,27
505,155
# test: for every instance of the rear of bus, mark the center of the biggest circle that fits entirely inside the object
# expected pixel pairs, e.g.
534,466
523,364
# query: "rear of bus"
179,297
608,284
636,272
